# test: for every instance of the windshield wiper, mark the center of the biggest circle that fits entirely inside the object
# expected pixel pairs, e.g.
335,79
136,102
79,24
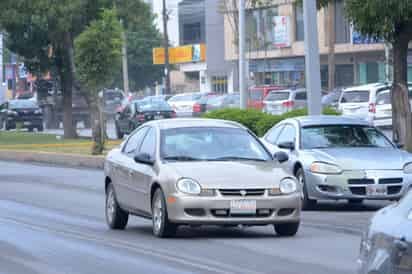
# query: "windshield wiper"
235,158
181,158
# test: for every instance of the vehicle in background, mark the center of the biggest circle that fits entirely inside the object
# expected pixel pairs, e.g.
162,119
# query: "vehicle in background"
361,100
184,104
258,94
336,157
282,101
21,113
386,245
331,99
231,100
112,100
140,112
160,97
199,172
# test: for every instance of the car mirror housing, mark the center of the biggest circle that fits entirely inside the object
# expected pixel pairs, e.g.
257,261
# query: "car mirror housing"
144,158
281,157
287,145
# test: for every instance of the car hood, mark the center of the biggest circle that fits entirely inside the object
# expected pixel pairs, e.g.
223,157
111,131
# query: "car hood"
231,174
364,158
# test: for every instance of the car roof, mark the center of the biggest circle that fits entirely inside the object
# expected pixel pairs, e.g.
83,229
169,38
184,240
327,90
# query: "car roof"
367,87
327,120
193,122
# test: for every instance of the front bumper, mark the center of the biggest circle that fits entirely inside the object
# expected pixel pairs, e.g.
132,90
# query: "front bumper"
186,209
354,184
25,122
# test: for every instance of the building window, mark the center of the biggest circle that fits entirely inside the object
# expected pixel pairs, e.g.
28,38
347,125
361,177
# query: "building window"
219,84
260,28
342,24
299,27
191,33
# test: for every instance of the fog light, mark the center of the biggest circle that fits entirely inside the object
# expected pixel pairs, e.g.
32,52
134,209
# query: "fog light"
221,212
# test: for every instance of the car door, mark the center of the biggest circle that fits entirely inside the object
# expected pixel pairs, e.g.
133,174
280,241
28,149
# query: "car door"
125,194
140,175
300,99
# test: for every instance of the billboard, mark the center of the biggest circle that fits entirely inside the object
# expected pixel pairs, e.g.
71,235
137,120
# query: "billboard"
179,55
281,31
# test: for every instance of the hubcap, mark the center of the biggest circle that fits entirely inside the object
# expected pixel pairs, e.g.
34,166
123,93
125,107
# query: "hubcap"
110,206
157,214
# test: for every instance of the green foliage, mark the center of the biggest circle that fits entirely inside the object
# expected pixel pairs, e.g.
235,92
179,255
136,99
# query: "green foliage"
257,121
98,51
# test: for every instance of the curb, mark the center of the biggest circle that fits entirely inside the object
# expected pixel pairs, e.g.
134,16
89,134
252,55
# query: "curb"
67,160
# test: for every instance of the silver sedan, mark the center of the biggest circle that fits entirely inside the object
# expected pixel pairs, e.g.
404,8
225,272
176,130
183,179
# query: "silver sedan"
199,172
341,158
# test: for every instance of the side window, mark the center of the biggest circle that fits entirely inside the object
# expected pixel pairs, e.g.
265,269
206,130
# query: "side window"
288,135
134,142
301,96
149,143
273,135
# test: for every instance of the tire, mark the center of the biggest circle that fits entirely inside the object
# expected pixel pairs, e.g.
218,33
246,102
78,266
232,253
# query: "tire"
306,202
116,217
287,229
162,228
6,126
30,129
40,128
355,201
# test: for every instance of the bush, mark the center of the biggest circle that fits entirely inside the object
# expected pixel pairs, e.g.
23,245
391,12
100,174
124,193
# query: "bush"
258,121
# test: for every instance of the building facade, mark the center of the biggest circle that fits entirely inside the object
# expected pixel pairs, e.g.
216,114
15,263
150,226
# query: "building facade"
275,46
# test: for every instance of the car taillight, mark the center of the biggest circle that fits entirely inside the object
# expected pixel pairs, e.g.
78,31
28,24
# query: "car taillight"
372,108
197,107
288,104
140,117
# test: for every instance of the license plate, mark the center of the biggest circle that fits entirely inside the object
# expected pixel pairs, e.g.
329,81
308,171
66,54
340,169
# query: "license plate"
27,123
243,207
376,190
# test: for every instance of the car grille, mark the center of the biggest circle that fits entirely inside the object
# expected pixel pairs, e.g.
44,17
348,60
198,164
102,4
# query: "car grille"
358,190
242,192
361,181
389,181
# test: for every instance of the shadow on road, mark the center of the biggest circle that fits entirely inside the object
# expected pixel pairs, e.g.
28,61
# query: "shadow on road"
346,207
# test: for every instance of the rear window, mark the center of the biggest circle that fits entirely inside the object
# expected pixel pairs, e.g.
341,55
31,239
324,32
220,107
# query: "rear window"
186,97
355,96
256,94
278,96
383,98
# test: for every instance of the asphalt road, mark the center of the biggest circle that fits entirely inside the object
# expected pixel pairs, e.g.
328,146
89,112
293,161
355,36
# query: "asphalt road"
52,221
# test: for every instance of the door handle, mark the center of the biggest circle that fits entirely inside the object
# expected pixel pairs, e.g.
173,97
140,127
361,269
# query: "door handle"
401,244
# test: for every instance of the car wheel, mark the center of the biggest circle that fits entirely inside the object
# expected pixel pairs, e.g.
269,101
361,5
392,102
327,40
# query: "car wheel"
306,202
287,229
116,217
355,201
162,228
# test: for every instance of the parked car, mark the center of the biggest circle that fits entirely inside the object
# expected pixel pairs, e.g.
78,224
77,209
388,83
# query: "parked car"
282,101
160,97
331,99
231,100
258,93
386,246
25,113
139,112
183,104
361,100
199,172
336,157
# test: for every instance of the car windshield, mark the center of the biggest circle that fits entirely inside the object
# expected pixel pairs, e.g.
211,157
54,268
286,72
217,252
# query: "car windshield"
186,97
153,105
341,136
277,96
17,104
355,96
383,98
211,144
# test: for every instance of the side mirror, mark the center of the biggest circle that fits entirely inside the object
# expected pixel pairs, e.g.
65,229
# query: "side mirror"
144,158
287,145
281,157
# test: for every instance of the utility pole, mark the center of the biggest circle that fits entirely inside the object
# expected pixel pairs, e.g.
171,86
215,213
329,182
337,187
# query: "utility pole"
331,45
312,57
166,47
126,87
242,67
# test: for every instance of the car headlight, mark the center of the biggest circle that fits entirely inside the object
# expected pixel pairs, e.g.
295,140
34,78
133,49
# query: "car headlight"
325,168
188,186
288,186
407,168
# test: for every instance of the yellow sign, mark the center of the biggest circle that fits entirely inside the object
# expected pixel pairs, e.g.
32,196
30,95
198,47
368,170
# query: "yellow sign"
178,55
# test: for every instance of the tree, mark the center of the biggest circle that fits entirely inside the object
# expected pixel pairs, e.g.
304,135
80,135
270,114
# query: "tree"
392,21
97,58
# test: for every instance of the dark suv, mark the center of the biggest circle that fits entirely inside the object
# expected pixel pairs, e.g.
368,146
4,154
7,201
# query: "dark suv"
25,113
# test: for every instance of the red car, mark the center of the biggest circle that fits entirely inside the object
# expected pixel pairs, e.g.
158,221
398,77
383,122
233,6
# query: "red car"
258,93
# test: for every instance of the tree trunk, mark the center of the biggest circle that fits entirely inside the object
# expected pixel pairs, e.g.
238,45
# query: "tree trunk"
97,136
401,110
331,45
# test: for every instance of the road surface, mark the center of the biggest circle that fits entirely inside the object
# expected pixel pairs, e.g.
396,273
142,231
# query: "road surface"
52,221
